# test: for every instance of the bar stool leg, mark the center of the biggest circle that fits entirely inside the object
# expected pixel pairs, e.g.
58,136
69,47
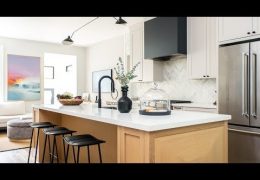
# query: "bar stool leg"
78,154
49,142
99,152
63,147
57,154
44,147
88,154
73,152
53,148
74,156
67,154
30,146
36,147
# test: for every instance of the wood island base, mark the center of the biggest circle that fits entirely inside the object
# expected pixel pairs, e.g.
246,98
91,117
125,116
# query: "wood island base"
205,143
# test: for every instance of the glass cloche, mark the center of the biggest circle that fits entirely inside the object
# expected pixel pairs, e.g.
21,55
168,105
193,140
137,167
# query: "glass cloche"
155,101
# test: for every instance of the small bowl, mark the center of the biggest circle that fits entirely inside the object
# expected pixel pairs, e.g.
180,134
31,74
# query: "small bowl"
71,102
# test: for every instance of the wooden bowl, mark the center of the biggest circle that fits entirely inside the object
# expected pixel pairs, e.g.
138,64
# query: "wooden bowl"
71,102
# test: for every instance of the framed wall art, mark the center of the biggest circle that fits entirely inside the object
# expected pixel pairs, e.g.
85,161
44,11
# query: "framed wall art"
23,78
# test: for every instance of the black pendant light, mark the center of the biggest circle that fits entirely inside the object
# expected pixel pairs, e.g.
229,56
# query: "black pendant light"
69,41
120,21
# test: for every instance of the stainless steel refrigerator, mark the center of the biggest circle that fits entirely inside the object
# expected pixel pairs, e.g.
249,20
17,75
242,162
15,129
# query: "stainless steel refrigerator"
239,96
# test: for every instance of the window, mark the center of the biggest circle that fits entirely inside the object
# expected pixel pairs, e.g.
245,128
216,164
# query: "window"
48,72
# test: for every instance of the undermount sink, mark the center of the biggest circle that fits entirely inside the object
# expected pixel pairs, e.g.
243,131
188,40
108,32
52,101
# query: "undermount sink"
109,107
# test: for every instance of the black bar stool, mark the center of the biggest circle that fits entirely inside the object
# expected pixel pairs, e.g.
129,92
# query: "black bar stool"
80,141
37,125
55,132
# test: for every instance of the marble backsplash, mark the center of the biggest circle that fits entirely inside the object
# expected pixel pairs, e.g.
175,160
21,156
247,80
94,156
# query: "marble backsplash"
177,84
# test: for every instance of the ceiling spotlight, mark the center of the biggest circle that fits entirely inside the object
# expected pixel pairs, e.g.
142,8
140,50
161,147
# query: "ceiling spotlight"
67,41
120,21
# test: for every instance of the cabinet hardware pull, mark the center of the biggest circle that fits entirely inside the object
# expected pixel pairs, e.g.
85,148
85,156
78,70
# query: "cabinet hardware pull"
253,32
248,32
207,75
204,76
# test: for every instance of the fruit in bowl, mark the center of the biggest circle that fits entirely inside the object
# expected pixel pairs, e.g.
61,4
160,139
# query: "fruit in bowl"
68,99
78,97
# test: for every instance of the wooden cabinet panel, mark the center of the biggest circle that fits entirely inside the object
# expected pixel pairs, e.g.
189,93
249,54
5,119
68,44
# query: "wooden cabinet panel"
133,146
194,147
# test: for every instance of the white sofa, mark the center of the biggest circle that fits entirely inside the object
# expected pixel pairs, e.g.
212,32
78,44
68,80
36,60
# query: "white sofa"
12,110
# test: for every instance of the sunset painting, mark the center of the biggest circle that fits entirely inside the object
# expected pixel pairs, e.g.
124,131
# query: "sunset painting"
23,77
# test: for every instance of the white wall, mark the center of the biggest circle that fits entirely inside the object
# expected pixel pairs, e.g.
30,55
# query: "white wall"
63,81
100,56
34,48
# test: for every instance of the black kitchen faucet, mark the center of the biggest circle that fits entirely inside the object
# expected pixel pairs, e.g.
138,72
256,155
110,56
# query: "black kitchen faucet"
99,88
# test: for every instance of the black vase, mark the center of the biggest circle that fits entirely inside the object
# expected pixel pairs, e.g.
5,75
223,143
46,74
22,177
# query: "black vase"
124,103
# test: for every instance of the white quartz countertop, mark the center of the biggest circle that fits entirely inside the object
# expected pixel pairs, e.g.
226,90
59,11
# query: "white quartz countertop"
134,119
195,105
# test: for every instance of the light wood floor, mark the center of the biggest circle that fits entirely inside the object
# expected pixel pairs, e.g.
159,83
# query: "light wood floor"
16,156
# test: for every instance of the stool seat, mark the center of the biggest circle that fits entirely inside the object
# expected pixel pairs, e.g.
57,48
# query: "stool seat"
82,140
37,126
41,125
57,131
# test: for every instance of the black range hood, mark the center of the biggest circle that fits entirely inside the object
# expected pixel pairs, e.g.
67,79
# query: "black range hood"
165,37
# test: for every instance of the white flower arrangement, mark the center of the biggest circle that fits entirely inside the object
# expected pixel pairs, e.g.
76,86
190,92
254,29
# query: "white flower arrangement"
124,78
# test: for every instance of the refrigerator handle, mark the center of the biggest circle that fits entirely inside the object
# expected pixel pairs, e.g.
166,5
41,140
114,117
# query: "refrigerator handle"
253,85
245,85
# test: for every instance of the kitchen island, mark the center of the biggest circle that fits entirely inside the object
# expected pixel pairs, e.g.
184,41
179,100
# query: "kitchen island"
133,138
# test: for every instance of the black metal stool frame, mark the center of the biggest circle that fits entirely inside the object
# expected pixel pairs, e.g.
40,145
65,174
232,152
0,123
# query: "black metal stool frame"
88,151
37,142
54,147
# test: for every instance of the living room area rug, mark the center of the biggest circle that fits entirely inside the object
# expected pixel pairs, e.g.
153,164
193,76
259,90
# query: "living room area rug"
7,145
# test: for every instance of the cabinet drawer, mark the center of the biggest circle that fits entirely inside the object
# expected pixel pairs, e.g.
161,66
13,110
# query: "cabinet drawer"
200,109
177,108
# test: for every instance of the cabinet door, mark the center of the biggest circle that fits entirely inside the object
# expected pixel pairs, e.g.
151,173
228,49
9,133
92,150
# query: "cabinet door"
212,47
234,27
137,51
197,47
256,25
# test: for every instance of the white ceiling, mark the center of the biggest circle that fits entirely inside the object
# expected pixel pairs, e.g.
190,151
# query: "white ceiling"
55,29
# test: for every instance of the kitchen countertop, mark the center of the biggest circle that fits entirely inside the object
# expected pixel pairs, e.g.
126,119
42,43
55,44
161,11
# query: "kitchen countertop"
195,105
134,119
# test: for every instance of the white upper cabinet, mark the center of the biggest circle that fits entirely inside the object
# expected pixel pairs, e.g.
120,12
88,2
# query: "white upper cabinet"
212,47
136,36
148,70
197,44
256,25
202,52
232,28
